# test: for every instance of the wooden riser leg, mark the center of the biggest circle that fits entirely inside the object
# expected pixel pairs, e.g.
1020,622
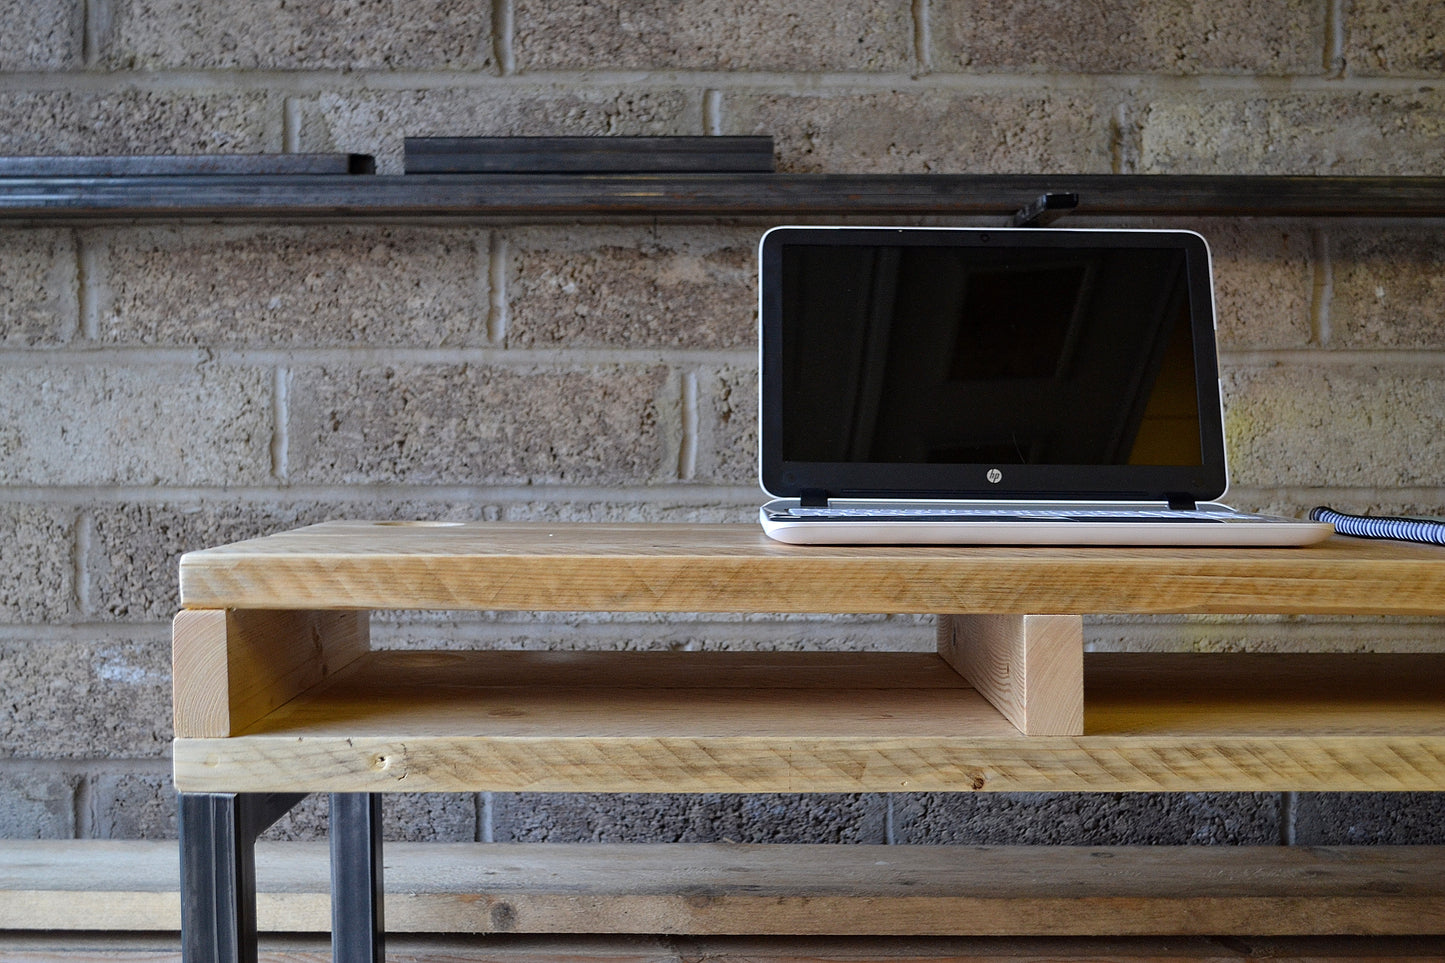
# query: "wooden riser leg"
1031,667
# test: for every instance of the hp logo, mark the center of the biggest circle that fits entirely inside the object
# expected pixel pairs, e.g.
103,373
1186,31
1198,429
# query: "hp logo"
994,476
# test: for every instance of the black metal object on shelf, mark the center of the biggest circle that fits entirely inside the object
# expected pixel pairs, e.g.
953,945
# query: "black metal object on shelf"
1044,210
182,165
588,155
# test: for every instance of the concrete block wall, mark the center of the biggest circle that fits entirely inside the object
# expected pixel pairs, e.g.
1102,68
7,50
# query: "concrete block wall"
164,387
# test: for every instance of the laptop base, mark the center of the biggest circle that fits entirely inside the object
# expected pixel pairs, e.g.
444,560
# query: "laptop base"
1041,523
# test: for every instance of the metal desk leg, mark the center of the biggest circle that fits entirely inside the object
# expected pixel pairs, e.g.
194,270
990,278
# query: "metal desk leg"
218,871
357,931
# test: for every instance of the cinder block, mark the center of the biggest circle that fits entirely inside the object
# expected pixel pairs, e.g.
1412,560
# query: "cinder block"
139,121
1388,286
727,442
273,286
88,424
692,287
135,548
475,424
41,35
1273,633
1086,819
133,805
86,698
376,122
37,569
1370,819
1394,38
714,35
1335,426
661,505
1351,132
1136,36
1263,283
37,805
405,817
1363,502
276,35
931,131
38,288
704,818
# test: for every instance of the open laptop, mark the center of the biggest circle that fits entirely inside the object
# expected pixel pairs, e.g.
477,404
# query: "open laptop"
995,386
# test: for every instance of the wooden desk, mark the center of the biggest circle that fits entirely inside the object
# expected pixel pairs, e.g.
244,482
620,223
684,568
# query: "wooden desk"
278,693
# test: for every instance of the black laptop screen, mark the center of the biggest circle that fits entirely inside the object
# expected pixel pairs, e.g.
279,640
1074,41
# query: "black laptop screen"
974,363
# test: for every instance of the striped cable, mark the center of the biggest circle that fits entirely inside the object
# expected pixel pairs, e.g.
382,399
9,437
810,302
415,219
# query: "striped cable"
1384,526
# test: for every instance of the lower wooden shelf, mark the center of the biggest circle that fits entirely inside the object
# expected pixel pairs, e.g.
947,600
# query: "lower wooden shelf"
768,890
831,722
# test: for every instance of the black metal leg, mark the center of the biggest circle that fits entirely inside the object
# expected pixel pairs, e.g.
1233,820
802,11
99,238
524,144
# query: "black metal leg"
218,871
357,930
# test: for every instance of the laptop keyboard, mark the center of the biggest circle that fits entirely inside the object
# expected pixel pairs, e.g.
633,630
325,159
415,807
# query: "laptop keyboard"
985,514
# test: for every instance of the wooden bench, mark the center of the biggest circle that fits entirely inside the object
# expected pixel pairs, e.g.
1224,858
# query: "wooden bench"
278,692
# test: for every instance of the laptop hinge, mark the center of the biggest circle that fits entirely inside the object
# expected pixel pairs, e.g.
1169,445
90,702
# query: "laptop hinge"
813,498
1181,503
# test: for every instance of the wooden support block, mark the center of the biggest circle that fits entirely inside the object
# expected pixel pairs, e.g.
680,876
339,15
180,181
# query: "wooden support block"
231,667
1031,667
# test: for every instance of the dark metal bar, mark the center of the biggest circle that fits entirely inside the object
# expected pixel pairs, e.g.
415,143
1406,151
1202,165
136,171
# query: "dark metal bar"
588,155
357,901
739,195
218,871
196,165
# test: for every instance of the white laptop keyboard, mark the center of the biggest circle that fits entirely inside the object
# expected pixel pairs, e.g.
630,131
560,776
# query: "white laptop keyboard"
1000,513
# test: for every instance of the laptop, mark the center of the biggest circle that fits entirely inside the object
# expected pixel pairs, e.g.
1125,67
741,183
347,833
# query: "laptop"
1017,386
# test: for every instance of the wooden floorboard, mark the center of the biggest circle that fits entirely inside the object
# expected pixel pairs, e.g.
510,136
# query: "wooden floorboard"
776,890
589,949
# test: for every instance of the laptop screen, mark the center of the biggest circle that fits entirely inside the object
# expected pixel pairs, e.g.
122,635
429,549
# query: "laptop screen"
972,363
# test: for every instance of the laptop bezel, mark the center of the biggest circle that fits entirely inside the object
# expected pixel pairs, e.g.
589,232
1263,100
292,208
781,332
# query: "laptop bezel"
1152,483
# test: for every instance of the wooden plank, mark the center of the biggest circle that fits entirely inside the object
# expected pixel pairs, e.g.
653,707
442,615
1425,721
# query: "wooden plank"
631,949
284,763
231,668
718,889
1030,667
406,721
1204,695
729,195
735,568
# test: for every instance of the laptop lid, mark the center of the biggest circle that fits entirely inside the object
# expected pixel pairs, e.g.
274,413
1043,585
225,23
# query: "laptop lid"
974,363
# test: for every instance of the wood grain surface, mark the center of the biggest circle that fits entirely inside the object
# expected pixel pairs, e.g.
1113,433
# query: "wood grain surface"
767,889
402,721
231,668
735,568
1029,667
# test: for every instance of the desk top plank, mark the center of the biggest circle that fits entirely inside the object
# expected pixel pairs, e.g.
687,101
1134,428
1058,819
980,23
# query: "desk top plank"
735,568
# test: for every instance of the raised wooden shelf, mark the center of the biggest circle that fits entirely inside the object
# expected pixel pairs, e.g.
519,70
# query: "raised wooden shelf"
278,691
614,195
722,889
800,722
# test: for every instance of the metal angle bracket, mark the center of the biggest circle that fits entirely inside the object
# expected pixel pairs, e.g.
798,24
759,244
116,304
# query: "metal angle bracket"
1044,210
